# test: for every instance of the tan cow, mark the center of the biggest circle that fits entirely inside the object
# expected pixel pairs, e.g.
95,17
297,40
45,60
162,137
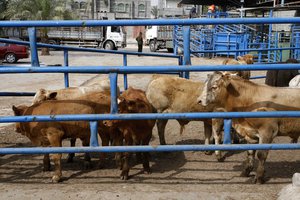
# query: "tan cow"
232,93
134,132
241,60
169,94
51,134
71,92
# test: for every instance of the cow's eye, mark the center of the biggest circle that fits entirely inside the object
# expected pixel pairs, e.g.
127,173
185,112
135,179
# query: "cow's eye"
214,87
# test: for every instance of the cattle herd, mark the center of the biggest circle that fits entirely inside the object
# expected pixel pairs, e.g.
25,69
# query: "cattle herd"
223,91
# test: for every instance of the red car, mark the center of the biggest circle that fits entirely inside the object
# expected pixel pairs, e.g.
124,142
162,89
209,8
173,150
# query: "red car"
12,52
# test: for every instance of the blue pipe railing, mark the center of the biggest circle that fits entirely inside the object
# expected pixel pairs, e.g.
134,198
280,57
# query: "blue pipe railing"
184,22
144,69
114,71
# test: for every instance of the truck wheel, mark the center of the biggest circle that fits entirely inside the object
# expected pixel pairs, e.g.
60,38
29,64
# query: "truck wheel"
11,58
152,46
109,45
52,42
170,50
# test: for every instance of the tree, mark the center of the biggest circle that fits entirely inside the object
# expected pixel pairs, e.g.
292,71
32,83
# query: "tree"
154,11
3,5
38,10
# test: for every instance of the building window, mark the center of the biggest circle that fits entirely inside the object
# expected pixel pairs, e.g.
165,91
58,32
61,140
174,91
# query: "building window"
142,7
113,8
127,8
76,5
121,7
82,5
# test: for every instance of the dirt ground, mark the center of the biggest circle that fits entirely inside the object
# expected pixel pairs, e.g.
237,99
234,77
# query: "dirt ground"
176,175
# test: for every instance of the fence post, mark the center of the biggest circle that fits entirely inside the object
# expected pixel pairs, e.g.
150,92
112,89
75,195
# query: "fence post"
186,49
94,134
125,75
227,130
33,47
66,64
113,91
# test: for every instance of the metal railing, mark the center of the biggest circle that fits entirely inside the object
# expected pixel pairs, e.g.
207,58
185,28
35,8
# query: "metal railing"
113,74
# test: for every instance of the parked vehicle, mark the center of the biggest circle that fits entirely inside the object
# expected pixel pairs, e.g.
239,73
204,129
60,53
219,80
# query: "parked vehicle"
159,37
12,52
110,37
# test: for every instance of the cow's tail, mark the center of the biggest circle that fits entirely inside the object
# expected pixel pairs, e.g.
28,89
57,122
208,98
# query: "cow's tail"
181,129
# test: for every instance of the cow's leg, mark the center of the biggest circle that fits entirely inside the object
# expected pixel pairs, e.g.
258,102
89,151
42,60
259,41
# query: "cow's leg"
146,155
265,137
46,163
56,142
87,157
249,163
138,155
217,125
207,134
71,155
105,139
161,125
126,155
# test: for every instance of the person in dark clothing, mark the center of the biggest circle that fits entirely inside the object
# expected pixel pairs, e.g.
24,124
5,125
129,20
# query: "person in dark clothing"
140,42
281,78
193,12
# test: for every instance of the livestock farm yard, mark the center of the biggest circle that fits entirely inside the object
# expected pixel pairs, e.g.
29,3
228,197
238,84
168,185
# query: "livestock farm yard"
176,175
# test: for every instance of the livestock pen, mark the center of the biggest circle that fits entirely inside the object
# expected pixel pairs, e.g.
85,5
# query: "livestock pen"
114,71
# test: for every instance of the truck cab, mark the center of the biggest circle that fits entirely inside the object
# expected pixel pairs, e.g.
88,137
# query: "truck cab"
151,37
114,37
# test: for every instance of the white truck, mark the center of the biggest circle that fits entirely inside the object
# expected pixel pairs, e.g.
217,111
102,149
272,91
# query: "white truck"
110,37
159,37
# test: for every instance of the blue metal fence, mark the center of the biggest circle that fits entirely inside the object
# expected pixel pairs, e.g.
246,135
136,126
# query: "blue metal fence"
114,71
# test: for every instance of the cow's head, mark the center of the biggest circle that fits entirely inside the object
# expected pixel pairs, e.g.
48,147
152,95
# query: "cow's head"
215,87
246,59
19,111
43,95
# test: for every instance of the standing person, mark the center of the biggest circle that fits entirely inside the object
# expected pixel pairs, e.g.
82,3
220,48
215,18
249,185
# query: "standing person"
139,40
193,12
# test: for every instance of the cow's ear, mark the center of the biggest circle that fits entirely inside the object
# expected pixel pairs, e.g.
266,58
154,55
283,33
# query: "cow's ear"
16,111
42,91
120,100
51,96
240,58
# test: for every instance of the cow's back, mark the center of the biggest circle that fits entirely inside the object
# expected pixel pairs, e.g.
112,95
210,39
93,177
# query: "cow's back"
166,92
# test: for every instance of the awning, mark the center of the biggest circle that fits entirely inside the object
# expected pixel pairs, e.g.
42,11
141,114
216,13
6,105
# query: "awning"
237,3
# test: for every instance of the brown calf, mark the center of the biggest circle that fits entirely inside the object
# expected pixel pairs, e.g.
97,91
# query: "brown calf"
134,132
51,134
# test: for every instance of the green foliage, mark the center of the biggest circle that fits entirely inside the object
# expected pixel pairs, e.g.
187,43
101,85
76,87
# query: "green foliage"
154,11
37,10
3,5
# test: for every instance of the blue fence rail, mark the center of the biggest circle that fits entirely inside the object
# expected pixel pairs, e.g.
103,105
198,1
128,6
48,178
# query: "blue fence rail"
114,71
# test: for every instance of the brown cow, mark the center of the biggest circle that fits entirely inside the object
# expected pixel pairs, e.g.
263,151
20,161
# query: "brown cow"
241,60
134,132
168,94
231,93
96,93
52,133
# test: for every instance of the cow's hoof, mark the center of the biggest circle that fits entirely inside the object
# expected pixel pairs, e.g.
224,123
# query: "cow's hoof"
147,171
208,152
220,158
124,175
258,180
56,179
87,165
244,174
